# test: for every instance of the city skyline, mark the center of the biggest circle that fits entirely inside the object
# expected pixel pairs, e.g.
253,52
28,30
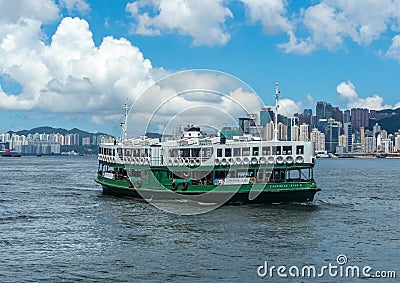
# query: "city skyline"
74,62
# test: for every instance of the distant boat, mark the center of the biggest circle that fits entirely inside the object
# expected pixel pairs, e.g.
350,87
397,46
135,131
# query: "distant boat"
8,153
38,155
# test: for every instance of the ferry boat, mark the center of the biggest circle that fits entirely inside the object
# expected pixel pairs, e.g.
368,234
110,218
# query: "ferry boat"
208,169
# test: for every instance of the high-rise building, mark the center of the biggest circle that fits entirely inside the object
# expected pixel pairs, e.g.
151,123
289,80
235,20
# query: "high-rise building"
346,116
369,144
397,143
348,132
282,132
337,114
319,140
307,112
304,132
266,116
332,131
359,118
323,110
362,135
376,129
343,141
245,124
292,121
269,131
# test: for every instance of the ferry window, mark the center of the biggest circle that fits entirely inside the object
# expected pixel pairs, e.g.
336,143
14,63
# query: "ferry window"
119,151
279,175
185,152
236,152
219,152
134,173
228,152
263,175
246,151
266,150
255,151
287,150
136,153
276,150
195,152
173,152
300,149
219,174
245,173
201,178
207,152
113,152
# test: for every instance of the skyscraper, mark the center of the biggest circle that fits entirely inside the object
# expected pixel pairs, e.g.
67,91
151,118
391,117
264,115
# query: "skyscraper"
292,121
331,136
266,115
337,114
348,131
323,110
346,116
304,132
359,118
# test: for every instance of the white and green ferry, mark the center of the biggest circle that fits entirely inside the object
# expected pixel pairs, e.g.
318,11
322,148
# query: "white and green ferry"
208,169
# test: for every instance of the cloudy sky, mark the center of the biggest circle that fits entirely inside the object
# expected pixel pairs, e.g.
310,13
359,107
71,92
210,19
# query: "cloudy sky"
74,63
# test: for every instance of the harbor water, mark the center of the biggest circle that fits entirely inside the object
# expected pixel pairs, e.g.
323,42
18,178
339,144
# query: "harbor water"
56,226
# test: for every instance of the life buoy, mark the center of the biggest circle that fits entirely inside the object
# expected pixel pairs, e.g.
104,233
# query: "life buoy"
174,185
184,185
138,183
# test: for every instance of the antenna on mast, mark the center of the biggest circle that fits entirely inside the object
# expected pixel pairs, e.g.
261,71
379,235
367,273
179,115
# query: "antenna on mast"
124,125
276,112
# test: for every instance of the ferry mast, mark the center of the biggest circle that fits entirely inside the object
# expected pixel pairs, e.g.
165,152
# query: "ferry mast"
276,112
124,124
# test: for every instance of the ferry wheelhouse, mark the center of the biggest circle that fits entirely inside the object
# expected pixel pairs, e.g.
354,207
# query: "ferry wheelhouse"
209,169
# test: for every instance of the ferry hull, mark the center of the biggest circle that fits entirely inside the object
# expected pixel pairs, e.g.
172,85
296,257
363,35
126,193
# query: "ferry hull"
264,197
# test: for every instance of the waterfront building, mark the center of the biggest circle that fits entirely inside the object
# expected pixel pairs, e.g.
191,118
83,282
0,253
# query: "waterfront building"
343,142
332,131
397,143
384,134
369,144
348,131
387,145
319,140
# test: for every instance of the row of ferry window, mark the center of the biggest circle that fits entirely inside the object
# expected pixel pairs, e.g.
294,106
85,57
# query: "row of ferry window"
208,151
255,151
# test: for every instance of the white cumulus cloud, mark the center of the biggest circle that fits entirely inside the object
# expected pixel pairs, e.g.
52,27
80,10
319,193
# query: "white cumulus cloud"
204,21
271,13
347,94
329,23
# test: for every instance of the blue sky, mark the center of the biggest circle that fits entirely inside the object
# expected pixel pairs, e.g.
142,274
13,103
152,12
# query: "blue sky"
73,63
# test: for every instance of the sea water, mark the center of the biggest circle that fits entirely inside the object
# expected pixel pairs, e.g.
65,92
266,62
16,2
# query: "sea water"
57,226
